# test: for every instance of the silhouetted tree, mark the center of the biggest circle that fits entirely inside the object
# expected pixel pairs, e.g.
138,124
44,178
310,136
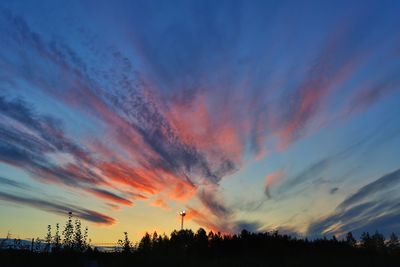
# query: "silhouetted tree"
57,239
145,243
182,240
378,241
68,233
78,240
154,241
366,241
86,239
125,243
393,242
350,239
48,239
201,241
216,249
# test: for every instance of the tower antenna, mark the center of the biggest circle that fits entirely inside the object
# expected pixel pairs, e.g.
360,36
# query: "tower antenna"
182,214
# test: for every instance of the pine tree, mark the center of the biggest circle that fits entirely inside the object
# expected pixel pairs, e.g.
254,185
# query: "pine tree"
393,242
350,239
378,240
145,243
68,233
78,243
86,242
154,240
57,239
48,239
366,241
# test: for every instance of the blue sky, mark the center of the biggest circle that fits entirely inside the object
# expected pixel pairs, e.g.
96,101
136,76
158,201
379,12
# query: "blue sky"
260,115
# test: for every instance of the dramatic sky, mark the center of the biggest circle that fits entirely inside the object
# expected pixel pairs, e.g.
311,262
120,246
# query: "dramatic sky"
258,115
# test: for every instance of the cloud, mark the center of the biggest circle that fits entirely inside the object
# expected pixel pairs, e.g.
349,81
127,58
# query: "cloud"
104,194
190,116
333,190
382,184
247,225
12,183
270,179
49,132
312,172
373,91
315,172
214,214
59,208
334,64
221,224
202,218
373,206
211,200
27,139
135,119
160,203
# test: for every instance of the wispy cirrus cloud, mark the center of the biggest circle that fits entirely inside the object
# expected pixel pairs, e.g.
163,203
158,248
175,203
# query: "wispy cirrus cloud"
104,194
373,206
192,114
316,172
135,123
28,138
8,182
374,91
59,208
379,186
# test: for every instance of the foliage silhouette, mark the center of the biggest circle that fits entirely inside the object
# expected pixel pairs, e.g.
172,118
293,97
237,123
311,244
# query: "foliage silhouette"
125,244
57,239
48,239
393,243
68,233
351,241
188,248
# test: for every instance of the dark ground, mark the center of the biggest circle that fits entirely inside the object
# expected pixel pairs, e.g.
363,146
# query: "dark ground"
186,248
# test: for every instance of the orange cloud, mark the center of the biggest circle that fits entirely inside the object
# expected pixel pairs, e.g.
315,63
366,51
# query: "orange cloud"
160,203
202,219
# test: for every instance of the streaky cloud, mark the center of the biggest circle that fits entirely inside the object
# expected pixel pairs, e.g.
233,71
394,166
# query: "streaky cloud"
8,182
375,205
183,104
211,201
104,194
59,208
380,185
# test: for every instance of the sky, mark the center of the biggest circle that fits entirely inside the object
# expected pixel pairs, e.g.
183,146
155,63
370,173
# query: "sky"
257,115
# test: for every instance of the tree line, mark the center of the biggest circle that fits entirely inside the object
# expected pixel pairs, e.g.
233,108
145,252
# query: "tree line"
188,248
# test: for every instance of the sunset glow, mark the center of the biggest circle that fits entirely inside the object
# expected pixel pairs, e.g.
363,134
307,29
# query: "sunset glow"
256,115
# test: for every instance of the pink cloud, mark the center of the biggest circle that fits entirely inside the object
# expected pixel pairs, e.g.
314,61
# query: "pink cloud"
271,179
